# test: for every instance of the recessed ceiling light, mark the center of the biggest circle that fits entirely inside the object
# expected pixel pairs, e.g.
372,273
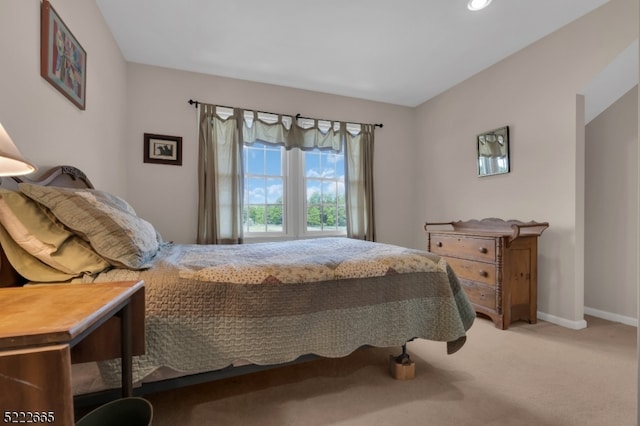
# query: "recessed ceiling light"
478,4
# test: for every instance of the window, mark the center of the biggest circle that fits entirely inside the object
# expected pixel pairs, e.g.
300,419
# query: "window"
264,188
285,193
324,194
293,194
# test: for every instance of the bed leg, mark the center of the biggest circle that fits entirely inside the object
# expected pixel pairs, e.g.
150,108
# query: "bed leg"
402,367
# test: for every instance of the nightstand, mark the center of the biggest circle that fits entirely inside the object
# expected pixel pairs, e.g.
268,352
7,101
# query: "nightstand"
44,328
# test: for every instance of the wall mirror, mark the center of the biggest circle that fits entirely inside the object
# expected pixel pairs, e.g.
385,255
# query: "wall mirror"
493,152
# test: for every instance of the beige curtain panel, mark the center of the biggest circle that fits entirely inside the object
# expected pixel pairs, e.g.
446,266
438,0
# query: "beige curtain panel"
359,183
220,178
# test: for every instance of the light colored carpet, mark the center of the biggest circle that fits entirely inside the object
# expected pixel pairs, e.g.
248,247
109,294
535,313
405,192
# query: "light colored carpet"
539,374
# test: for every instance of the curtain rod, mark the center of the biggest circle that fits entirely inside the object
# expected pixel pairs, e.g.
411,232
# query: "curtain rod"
309,118
196,103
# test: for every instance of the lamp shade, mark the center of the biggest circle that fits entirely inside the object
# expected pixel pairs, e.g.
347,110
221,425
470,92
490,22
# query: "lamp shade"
12,163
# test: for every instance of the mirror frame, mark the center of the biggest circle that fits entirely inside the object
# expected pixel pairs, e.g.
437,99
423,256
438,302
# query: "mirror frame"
501,163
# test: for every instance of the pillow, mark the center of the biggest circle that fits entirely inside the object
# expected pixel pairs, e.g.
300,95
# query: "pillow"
41,235
26,265
106,221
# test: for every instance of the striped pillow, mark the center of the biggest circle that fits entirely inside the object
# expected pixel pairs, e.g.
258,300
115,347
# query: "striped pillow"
106,221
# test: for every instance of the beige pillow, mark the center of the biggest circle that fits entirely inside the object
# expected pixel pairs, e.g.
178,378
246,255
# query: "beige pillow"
40,234
28,266
106,221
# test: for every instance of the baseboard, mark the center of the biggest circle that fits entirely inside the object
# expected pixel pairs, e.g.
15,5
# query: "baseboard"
574,325
579,325
609,316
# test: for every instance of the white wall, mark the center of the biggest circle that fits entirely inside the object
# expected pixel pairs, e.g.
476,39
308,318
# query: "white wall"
167,195
611,212
46,127
534,92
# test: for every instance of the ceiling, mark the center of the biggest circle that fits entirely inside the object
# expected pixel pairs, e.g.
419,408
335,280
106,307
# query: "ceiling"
401,52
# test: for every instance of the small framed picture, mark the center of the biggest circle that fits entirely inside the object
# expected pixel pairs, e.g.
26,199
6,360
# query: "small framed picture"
163,149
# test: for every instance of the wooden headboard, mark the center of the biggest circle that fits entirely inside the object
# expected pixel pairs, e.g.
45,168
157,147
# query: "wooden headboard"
63,176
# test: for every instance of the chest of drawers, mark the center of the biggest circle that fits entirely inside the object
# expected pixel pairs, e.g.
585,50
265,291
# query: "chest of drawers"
496,263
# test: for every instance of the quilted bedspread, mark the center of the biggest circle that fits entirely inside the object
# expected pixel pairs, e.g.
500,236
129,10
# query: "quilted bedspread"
208,306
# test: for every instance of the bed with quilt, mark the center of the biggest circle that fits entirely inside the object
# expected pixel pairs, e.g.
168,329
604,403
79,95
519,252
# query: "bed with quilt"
210,307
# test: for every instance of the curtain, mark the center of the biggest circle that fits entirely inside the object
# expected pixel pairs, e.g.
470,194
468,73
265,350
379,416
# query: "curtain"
294,135
359,183
220,177
220,167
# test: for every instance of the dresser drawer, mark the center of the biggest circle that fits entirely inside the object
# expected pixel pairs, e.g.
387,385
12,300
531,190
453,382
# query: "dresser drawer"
474,248
480,294
473,270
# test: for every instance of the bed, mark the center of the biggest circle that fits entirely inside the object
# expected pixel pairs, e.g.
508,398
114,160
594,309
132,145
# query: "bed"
213,309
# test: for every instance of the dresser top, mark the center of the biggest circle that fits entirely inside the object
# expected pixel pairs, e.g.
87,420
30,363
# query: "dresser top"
490,227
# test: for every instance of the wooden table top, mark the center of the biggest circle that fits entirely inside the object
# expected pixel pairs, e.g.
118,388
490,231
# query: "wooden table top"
57,313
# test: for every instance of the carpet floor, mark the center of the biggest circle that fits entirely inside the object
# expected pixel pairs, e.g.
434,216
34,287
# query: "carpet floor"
539,374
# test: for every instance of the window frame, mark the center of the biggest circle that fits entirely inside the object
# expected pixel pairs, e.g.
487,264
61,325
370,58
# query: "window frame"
286,195
302,220
294,202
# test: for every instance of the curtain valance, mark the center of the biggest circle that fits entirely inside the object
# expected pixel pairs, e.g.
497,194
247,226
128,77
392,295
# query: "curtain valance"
306,134
293,136
491,146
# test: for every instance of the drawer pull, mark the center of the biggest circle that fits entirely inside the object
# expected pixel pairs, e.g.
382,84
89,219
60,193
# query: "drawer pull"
483,250
483,273
439,244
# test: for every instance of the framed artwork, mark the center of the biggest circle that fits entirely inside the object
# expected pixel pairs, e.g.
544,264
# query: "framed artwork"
162,149
63,62
493,152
